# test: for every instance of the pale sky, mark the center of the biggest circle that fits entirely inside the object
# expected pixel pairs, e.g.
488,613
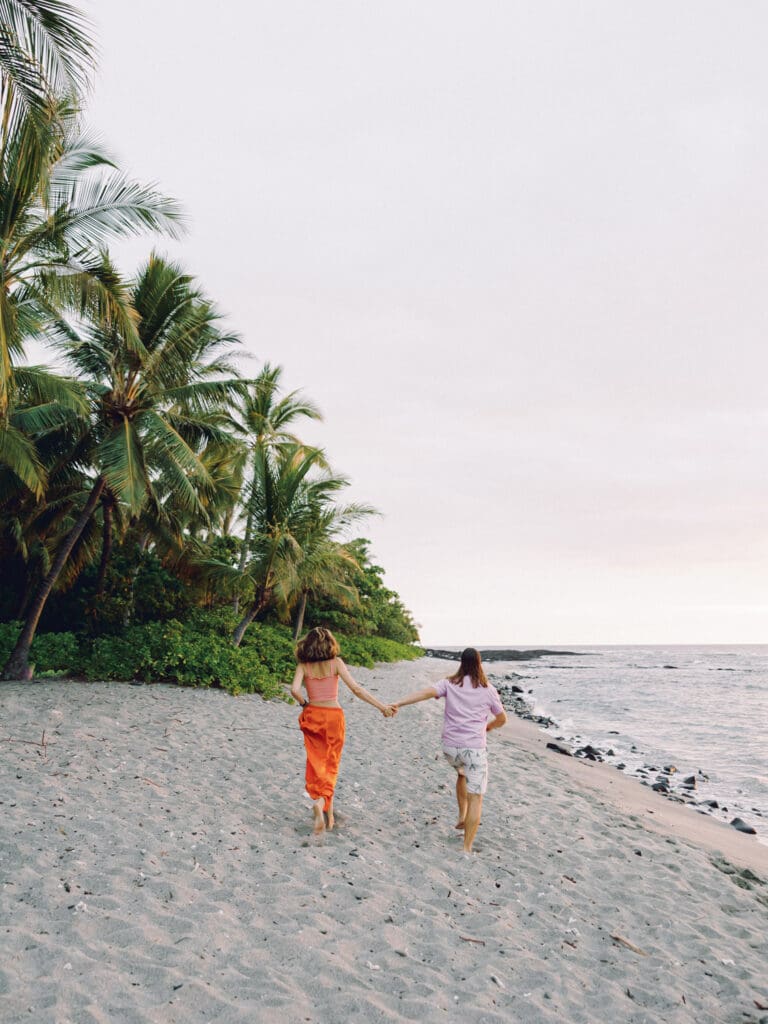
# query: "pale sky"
518,253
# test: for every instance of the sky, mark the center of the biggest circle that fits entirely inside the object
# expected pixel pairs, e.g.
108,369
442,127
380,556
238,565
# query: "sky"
518,255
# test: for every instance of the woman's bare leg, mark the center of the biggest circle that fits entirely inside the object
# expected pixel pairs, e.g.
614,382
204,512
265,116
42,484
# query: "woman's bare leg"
472,819
329,813
461,799
317,814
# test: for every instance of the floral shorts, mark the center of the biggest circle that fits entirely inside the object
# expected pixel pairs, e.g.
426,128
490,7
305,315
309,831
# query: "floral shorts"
472,764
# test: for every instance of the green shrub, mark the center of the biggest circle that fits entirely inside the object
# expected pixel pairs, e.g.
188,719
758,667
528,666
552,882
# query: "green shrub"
173,652
367,650
9,634
198,652
116,657
57,652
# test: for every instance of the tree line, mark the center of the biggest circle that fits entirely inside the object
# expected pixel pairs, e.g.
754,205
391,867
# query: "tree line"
142,476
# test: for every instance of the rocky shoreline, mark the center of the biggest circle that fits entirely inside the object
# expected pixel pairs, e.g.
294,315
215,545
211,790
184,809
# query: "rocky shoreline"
500,654
663,779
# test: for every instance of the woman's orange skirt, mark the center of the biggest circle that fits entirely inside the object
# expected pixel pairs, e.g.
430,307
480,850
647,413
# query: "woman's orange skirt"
323,730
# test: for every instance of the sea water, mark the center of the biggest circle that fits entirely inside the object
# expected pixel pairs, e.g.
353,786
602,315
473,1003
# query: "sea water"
702,709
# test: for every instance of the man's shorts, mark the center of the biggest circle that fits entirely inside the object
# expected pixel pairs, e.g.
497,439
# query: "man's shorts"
472,764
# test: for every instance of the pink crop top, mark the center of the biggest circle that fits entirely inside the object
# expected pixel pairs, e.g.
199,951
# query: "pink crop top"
326,688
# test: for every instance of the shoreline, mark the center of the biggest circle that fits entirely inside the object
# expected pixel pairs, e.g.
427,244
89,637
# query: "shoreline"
665,780
628,794
158,867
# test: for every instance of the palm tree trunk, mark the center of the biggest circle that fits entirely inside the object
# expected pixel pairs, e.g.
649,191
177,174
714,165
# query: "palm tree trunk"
300,616
106,545
131,602
245,547
17,666
259,605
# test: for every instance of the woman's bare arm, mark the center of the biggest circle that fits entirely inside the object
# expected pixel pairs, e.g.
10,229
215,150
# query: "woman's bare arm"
358,690
497,722
298,679
414,698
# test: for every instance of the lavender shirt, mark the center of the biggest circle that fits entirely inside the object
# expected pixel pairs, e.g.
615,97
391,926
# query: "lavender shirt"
468,710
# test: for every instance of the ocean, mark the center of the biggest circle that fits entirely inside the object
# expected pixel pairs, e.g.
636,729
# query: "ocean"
703,709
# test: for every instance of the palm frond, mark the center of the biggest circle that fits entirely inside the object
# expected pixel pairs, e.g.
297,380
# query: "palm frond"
93,209
19,454
121,460
59,37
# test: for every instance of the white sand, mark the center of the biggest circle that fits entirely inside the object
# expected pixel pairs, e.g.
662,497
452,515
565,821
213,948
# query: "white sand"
157,866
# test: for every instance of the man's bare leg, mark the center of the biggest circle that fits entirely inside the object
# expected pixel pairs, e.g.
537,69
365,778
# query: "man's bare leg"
461,799
472,819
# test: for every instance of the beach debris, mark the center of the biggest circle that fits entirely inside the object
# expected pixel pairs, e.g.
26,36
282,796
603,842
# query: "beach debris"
742,826
497,981
559,748
629,945
759,1005
468,938
143,778
372,966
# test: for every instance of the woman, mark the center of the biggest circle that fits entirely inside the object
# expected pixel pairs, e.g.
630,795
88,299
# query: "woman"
322,719
470,700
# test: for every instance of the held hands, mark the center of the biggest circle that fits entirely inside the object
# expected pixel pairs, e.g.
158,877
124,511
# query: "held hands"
390,710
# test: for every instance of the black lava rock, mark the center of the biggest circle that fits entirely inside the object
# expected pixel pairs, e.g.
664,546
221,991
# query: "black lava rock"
559,748
742,826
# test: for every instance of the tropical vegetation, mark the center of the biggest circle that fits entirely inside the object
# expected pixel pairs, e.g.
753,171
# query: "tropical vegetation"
160,516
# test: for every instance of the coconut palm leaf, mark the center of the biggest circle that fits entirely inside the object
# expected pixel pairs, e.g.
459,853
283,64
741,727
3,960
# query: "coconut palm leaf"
121,461
19,454
59,36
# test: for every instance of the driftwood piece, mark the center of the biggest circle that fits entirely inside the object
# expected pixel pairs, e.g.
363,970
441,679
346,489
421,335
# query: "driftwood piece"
630,945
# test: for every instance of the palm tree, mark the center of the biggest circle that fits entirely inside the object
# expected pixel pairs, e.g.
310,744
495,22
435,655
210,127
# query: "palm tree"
159,399
40,404
287,490
61,202
39,453
266,419
46,50
323,570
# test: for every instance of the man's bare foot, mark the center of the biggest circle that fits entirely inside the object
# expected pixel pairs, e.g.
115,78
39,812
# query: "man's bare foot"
317,814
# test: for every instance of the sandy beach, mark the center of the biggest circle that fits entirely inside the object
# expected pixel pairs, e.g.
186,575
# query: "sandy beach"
157,865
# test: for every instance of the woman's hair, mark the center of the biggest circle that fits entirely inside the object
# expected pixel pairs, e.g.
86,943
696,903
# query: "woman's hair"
470,666
318,645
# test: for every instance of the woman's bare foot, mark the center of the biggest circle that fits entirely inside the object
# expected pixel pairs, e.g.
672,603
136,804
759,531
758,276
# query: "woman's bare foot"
329,818
317,814
459,824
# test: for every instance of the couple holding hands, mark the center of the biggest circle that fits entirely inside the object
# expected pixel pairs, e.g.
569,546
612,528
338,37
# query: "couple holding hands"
472,709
